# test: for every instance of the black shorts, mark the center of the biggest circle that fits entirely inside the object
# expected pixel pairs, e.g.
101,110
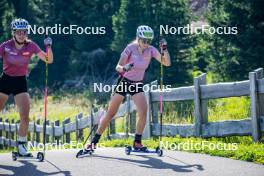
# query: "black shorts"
13,84
125,86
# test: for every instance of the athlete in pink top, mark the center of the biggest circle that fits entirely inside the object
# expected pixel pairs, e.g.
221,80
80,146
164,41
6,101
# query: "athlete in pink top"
16,54
15,61
134,61
140,60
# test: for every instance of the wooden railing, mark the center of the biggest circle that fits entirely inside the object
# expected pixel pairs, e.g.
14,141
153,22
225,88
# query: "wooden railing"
200,93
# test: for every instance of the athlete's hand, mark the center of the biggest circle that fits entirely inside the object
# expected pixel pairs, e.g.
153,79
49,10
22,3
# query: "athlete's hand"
163,44
128,67
48,41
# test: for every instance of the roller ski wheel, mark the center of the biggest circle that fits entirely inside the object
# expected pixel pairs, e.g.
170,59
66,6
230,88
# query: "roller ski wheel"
40,156
128,150
159,152
14,156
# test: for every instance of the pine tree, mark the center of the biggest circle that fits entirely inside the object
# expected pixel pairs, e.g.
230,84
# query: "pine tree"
233,56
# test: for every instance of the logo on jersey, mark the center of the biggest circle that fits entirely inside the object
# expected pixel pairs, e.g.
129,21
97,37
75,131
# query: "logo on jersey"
25,53
8,50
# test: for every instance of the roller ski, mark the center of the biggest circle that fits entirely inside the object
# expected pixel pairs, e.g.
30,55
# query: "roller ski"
23,153
89,150
139,148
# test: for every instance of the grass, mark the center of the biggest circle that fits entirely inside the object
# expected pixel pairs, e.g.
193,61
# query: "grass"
60,107
5,150
236,147
182,112
234,108
244,148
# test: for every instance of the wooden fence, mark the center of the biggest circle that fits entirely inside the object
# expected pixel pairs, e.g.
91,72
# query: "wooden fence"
200,93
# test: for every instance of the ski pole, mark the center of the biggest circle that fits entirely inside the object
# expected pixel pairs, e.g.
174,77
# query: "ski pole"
45,97
122,75
161,89
93,126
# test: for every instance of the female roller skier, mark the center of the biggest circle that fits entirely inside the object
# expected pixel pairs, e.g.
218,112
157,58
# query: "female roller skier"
16,54
134,60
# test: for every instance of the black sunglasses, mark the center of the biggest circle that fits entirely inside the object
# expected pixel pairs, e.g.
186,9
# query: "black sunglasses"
146,41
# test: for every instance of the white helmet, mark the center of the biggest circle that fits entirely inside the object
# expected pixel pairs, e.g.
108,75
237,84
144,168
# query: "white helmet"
145,32
19,23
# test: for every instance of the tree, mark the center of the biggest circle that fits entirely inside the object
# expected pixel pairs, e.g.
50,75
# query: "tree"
235,55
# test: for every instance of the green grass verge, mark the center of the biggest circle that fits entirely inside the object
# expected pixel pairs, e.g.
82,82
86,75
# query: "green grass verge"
5,150
60,106
182,112
242,148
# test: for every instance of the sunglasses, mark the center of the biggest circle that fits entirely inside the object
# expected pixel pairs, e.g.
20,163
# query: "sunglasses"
146,41
20,32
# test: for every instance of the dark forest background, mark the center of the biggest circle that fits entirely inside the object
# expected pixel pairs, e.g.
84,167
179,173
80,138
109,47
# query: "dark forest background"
80,60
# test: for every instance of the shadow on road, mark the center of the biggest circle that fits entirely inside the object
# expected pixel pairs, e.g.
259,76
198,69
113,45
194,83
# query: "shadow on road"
156,163
28,168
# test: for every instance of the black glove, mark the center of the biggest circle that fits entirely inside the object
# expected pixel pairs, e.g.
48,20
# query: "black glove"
163,44
128,67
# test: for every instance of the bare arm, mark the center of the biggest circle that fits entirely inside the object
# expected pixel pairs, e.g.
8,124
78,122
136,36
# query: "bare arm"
120,64
166,61
43,56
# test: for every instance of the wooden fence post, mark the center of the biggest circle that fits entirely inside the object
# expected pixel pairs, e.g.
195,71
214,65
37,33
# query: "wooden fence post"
12,133
6,132
57,138
91,124
155,114
33,133
53,132
67,135
132,122
112,129
200,106
17,122
254,106
260,75
37,133
76,128
154,108
47,136
78,132
9,133
28,135
146,134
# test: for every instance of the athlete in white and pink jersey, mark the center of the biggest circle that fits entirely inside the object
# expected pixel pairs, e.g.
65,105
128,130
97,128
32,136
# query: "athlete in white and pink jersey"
15,61
16,54
134,61
141,60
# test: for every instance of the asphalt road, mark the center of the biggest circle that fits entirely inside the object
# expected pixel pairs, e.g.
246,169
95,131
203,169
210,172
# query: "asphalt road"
114,162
